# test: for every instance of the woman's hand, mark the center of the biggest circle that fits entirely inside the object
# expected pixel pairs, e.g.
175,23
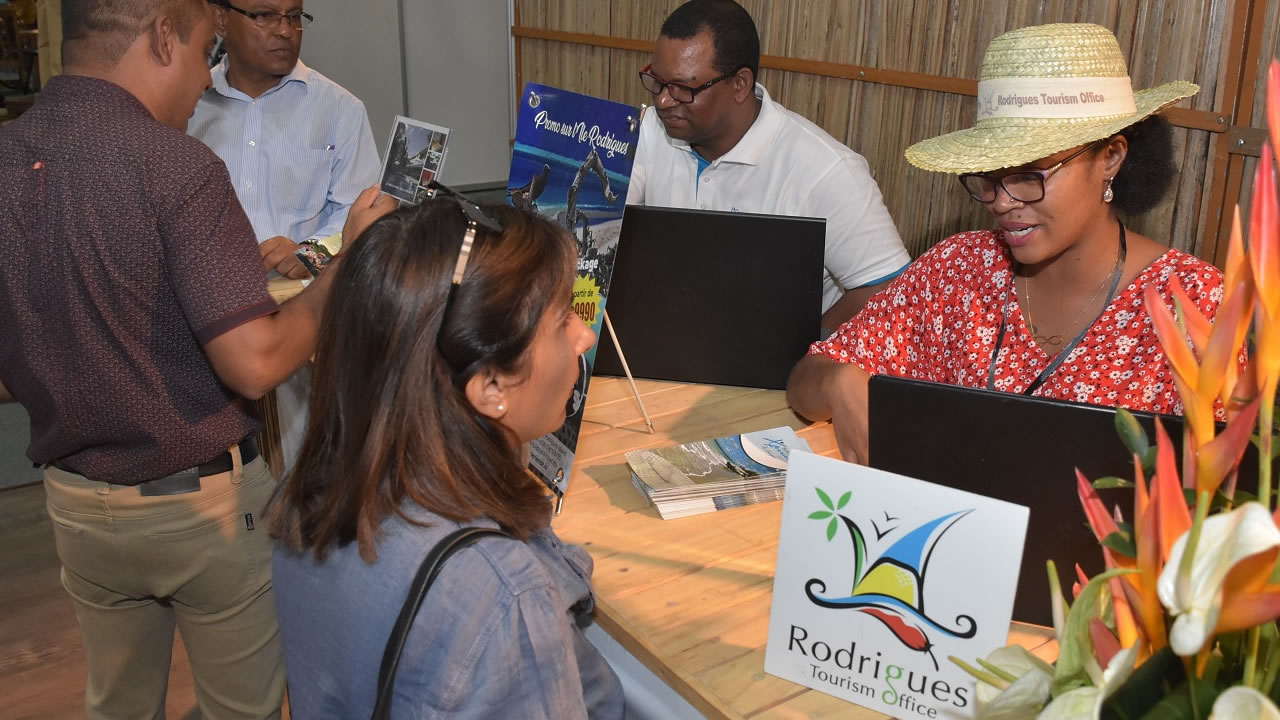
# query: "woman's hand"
848,397
820,389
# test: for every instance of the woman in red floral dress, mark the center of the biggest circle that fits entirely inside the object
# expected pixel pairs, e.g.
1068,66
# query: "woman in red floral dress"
1050,302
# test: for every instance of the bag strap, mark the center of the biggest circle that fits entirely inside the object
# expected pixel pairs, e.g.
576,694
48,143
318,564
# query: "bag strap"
427,573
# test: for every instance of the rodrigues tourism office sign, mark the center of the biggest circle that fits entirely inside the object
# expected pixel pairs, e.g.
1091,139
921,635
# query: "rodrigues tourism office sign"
880,578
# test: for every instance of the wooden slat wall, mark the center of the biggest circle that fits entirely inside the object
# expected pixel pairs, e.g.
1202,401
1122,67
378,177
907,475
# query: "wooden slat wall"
1270,43
1163,40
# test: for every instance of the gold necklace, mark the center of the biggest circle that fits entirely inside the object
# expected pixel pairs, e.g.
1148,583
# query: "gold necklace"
1056,339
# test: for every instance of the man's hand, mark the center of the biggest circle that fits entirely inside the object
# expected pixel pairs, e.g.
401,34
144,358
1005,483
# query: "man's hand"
370,205
278,254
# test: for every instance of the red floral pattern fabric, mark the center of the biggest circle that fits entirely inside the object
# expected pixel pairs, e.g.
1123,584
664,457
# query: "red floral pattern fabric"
940,319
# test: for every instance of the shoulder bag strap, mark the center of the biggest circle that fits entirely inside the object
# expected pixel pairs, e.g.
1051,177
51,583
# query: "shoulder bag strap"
427,573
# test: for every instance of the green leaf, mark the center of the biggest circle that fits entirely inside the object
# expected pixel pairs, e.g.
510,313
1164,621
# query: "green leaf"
1257,443
997,671
1075,643
1121,543
1242,497
826,500
1178,705
831,529
1131,433
1149,462
820,515
983,676
1111,481
1150,683
844,499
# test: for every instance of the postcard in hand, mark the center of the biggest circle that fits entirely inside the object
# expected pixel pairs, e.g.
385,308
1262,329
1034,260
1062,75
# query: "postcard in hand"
880,578
572,163
415,156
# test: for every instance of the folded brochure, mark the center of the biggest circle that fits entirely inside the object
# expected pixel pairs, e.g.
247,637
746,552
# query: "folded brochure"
713,474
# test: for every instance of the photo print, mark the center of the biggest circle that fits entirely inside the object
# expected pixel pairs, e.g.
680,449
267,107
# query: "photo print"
415,156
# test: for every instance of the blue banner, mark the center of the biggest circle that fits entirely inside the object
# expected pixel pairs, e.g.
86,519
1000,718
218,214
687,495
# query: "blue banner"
572,163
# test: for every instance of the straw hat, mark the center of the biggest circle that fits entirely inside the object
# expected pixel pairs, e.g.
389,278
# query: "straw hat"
1042,90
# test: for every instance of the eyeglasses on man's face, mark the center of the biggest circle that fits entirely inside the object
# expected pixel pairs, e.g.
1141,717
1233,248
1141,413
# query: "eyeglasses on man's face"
271,19
1023,186
679,93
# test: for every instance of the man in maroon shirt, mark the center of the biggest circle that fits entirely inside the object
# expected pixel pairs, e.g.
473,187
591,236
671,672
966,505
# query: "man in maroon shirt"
136,324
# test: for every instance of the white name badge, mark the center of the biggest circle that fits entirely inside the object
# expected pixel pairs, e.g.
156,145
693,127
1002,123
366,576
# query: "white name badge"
1075,97
881,577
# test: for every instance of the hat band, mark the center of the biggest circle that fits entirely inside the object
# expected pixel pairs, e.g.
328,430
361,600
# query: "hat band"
1071,97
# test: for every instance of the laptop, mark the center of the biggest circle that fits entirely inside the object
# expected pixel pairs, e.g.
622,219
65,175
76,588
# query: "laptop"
713,297
1020,449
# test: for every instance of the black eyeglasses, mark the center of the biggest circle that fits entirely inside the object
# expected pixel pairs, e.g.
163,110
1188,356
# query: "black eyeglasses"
1023,186
476,218
679,93
271,19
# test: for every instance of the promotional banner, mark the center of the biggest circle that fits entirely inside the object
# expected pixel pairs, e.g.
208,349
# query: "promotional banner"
880,578
572,163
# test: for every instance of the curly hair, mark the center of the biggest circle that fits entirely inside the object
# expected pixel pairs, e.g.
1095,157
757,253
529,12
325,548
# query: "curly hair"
1149,169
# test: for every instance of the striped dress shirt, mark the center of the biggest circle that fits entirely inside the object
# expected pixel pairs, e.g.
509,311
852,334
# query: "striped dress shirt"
298,154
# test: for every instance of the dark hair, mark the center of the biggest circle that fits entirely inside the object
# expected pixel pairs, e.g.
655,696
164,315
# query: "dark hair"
111,26
390,422
733,32
1148,170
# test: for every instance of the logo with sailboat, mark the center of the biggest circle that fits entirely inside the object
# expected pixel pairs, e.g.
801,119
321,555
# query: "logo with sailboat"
891,586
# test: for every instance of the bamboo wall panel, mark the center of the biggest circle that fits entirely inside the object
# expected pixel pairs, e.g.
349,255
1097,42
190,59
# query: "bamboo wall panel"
1257,118
1163,41
1270,49
571,67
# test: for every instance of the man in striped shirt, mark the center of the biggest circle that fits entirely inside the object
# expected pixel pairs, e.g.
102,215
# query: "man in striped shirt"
297,145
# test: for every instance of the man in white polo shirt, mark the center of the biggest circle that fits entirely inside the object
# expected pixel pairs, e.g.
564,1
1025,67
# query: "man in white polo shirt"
715,140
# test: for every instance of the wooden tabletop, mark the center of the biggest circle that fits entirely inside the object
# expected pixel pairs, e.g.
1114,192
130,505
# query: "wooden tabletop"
282,289
690,597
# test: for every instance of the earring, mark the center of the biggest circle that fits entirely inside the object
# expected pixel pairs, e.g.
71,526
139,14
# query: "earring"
502,409
1108,194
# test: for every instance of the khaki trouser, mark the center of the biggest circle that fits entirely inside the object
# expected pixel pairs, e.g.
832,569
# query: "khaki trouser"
137,566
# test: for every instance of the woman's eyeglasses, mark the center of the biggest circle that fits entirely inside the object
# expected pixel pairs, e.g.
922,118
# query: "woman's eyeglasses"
1024,186
679,93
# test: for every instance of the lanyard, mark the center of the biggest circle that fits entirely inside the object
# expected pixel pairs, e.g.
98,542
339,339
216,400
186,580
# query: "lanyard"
1066,351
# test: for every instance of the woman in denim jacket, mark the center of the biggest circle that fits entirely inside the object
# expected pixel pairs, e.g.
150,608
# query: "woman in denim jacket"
426,387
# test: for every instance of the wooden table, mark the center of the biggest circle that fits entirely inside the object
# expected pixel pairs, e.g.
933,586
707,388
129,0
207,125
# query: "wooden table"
282,289
690,597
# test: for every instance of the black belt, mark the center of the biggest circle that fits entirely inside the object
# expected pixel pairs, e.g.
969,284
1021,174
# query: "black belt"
188,480
222,463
